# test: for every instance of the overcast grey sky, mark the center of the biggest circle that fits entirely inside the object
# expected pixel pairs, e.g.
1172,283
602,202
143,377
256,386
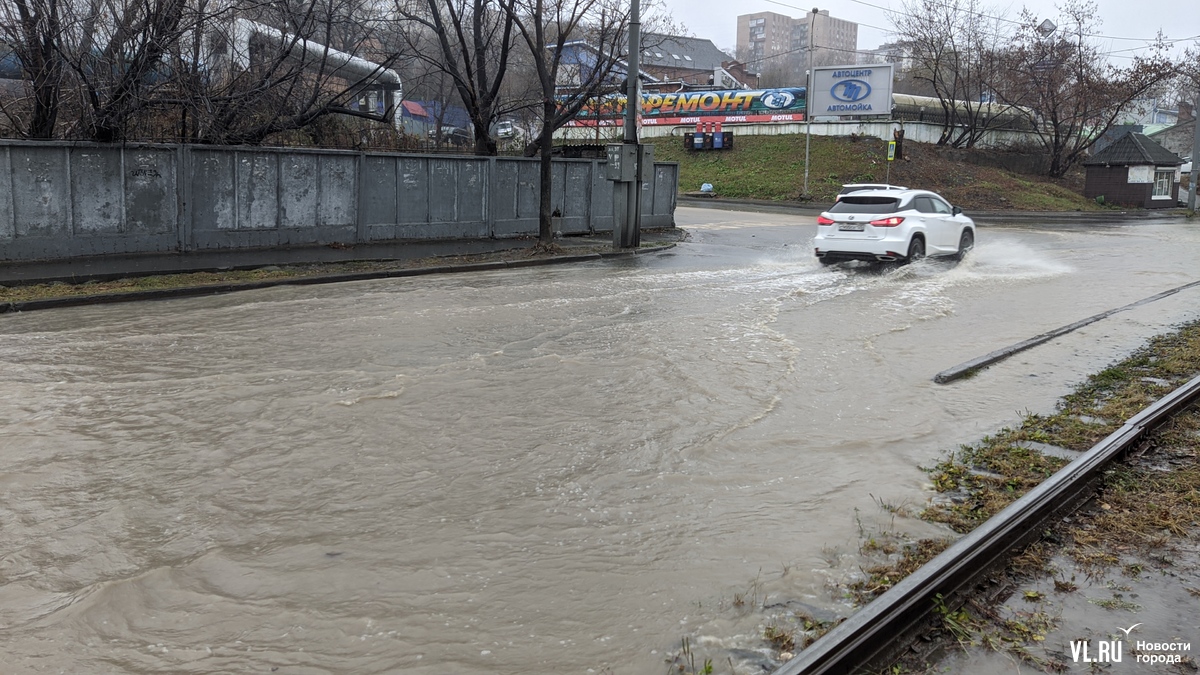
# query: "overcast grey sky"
1139,19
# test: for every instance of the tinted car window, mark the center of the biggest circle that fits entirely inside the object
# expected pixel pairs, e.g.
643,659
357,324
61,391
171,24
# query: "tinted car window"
939,205
854,204
924,205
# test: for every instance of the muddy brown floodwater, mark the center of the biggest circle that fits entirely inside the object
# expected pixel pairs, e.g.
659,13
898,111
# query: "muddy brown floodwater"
546,470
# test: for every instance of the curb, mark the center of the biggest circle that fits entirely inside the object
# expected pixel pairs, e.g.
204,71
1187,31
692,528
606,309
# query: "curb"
980,217
221,289
968,367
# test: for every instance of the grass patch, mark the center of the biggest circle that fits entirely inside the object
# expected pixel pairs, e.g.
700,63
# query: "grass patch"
772,168
900,563
796,632
981,479
1142,505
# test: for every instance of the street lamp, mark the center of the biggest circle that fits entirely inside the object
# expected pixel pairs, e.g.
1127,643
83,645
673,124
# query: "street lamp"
808,98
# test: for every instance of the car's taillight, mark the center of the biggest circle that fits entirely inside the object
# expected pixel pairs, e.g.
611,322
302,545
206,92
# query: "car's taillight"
822,220
888,222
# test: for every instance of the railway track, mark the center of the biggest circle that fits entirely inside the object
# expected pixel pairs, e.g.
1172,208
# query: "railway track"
883,629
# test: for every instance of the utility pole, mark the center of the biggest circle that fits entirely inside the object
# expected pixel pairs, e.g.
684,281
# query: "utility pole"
635,65
812,24
627,161
1191,202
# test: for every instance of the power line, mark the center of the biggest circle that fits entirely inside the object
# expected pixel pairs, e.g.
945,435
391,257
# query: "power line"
885,30
815,47
979,14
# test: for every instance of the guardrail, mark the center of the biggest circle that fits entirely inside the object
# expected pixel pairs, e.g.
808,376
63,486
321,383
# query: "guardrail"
877,632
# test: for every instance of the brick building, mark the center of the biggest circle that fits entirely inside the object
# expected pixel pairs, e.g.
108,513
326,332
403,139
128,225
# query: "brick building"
1134,171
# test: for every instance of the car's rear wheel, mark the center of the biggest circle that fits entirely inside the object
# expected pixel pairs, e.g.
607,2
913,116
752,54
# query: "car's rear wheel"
965,243
916,250
826,260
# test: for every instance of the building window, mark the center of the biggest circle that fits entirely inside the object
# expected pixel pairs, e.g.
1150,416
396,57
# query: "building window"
1162,183
686,57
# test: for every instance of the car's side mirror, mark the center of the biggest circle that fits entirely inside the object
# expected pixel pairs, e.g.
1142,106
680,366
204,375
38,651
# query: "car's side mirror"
956,210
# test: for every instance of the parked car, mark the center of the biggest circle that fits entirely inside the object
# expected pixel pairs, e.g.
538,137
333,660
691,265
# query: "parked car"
452,135
858,187
892,225
505,129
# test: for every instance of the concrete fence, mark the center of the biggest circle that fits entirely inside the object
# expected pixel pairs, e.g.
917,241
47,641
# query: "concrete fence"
66,200
920,132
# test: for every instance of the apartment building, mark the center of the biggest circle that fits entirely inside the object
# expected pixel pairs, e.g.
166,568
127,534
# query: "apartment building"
778,45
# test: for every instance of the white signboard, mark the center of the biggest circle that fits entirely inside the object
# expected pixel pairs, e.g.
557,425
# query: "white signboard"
1141,174
851,90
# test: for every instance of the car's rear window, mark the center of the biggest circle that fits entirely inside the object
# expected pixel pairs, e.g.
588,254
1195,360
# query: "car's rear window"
852,204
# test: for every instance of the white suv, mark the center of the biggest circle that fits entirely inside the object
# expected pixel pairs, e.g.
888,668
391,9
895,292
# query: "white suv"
892,225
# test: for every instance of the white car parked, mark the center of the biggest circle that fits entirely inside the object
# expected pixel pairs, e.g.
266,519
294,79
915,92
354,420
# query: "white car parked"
892,226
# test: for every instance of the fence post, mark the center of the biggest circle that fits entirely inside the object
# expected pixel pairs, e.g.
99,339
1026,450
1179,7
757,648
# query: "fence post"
489,204
360,225
69,191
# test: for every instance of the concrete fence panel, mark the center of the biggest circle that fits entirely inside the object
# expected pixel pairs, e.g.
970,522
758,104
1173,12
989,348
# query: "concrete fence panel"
602,200
41,193
337,192
299,190
514,197
62,200
97,191
380,199
6,197
575,191
666,185
214,204
151,194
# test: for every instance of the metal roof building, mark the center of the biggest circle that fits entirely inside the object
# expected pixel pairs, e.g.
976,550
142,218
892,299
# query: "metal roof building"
1134,171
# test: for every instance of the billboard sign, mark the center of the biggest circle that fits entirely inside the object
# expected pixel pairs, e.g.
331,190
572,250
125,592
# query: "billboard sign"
852,90
726,106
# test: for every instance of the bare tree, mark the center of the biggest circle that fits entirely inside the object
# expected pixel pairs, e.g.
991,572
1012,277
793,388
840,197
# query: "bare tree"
953,44
118,58
778,73
201,70
471,43
575,47
274,69
34,30
1065,86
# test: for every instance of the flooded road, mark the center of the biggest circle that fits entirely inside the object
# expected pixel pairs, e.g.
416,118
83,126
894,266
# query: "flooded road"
562,469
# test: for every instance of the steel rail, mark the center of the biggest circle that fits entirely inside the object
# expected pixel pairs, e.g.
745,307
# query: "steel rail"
881,630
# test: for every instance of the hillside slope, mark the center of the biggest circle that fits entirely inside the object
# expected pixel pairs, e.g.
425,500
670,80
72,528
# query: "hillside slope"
772,167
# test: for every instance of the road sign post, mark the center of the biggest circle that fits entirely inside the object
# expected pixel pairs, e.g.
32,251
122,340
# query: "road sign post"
891,157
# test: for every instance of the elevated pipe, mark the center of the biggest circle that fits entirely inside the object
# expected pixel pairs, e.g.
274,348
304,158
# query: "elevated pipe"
341,64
